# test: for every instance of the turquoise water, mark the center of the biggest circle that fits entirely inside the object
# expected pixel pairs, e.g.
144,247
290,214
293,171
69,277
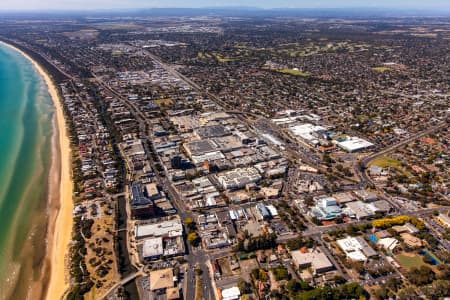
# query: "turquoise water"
26,114
434,260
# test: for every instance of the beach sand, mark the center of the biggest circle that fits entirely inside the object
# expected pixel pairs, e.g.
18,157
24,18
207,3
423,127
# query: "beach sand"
54,283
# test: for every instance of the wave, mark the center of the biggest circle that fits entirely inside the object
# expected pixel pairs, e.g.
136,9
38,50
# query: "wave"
23,188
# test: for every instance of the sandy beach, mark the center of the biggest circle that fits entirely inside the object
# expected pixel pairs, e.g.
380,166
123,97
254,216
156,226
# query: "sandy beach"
60,204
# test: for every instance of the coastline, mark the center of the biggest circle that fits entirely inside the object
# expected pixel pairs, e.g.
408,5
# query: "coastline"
60,204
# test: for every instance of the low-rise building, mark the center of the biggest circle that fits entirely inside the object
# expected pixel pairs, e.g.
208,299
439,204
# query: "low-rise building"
141,206
360,210
326,209
354,144
312,258
161,280
444,220
388,243
238,178
356,248
170,228
232,293
152,248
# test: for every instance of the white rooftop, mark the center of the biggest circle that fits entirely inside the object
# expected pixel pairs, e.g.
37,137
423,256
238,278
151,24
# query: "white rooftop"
352,248
231,293
305,131
172,228
152,247
354,144
388,243
273,211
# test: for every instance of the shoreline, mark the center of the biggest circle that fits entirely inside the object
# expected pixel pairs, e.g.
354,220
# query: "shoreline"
60,202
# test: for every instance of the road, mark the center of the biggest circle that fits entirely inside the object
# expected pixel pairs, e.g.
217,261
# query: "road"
200,257
361,170
112,290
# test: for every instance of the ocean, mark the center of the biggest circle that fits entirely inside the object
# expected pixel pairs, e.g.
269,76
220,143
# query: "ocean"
26,115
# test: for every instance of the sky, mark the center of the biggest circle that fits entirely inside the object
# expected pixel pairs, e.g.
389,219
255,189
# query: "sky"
115,4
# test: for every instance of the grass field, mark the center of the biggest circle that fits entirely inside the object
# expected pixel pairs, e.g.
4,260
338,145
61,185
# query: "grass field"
293,72
382,69
384,162
409,261
117,53
221,59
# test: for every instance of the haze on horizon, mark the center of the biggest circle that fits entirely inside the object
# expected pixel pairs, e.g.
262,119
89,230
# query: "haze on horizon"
15,5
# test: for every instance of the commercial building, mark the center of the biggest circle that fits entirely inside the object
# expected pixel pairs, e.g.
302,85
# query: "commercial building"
382,206
141,206
134,147
312,258
353,144
152,248
306,132
366,196
356,249
206,132
232,293
444,220
171,228
152,191
238,178
228,143
173,293
263,212
326,208
209,156
360,210
160,280
162,239
388,243
200,147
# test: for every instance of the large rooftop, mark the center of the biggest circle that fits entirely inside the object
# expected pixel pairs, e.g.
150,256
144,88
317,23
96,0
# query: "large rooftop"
161,279
170,228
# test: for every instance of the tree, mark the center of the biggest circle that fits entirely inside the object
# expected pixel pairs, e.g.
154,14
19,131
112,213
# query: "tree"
408,293
193,238
438,289
280,273
339,279
190,224
423,275
243,286
293,286
394,283
263,275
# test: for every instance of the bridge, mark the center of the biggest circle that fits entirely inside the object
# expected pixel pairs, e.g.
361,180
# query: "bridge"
124,281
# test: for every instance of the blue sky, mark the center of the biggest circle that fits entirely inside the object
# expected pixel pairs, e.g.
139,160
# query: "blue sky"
111,4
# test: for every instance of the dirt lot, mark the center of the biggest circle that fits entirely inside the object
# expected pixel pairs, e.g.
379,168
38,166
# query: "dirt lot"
247,266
